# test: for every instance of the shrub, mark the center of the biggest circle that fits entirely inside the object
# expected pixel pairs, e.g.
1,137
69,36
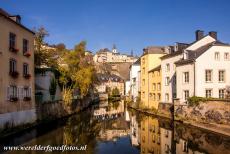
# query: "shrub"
194,101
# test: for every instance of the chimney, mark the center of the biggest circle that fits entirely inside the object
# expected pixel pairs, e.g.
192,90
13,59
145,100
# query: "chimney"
199,34
213,34
16,18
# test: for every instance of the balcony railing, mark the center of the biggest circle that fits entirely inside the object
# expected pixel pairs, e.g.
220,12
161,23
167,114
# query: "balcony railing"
27,98
27,54
27,76
14,74
13,98
13,49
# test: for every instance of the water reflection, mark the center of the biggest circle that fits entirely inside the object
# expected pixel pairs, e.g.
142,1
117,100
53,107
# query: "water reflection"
110,127
161,136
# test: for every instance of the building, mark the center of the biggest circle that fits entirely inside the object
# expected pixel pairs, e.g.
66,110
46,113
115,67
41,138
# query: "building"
168,91
134,80
109,82
107,56
150,136
204,69
17,102
127,88
149,60
155,87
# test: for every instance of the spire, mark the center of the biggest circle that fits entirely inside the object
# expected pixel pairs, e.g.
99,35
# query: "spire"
114,49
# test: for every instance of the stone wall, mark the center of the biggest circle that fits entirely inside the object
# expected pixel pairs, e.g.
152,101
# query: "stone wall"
209,111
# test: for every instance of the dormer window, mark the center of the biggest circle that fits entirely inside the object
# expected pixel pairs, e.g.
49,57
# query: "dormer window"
185,54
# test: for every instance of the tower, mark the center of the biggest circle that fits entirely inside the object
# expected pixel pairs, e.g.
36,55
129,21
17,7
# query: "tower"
114,49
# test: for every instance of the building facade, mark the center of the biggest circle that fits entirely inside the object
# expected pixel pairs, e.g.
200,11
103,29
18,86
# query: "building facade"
17,102
204,70
168,68
134,80
155,87
149,60
107,56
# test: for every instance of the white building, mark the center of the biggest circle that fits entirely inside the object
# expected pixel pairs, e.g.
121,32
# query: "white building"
168,67
127,88
134,79
204,69
43,79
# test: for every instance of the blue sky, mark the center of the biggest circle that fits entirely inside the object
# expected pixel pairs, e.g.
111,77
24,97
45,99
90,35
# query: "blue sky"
130,24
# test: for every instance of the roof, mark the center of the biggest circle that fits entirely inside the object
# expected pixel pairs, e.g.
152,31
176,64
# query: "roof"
194,54
6,15
107,77
184,61
155,69
173,54
137,62
153,50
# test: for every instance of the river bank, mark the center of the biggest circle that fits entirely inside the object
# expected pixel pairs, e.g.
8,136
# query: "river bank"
215,128
48,113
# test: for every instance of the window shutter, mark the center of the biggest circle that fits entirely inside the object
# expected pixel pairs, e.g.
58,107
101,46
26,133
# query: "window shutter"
8,93
30,92
18,92
21,93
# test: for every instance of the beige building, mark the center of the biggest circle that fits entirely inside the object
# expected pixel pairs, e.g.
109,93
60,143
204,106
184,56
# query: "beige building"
109,82
107,56
149,60
17,105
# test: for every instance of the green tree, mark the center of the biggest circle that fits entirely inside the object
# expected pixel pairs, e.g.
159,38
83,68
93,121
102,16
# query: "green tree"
53,88
115,92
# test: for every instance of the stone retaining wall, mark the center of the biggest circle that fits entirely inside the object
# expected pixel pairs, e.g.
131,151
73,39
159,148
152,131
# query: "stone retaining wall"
209,112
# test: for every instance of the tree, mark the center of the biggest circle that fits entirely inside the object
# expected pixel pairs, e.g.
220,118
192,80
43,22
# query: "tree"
42,54
53,88
115,92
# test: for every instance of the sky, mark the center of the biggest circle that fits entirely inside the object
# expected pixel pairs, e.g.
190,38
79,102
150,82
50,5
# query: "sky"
129,24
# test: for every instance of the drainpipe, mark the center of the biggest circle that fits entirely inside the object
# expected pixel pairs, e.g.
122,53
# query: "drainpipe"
194,91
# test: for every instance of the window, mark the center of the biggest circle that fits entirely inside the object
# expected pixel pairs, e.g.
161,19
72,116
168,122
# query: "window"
185,54
174,79
208,93
226,56
143,70
221,75
174,95
167,67
186,77
208,75
167,81
217,56
154,86
25,69
25,46
166,97
186,94
27,92
154,97
159,86
143,82
143,95
12,92
158,96
12,41
221,93
13,65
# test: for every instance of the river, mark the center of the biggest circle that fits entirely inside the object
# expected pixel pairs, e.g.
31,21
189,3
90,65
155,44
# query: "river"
111,128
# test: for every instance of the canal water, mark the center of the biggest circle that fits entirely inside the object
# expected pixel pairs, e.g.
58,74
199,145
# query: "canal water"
111,128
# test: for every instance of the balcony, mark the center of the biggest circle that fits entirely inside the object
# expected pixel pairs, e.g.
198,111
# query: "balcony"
27,98
14,74
27,76
27,54
13,49
13,98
